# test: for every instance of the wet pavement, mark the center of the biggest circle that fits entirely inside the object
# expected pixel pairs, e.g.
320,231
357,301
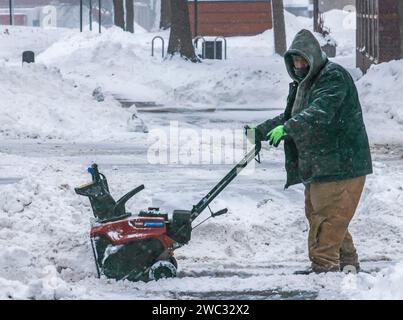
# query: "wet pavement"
272,294
9,180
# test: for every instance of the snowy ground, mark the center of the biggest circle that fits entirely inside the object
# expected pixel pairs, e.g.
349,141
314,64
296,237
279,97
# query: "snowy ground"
52,127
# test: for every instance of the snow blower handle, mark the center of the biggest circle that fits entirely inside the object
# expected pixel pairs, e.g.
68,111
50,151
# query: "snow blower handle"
207,199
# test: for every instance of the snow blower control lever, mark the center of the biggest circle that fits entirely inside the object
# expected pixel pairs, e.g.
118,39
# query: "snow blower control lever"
141,247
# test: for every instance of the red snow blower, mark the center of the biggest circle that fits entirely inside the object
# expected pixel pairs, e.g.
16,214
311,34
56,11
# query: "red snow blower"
141,247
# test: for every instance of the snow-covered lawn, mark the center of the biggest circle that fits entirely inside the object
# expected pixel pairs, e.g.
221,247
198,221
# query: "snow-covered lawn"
52,127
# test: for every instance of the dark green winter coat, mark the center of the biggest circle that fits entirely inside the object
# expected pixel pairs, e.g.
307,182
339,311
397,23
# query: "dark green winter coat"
326,137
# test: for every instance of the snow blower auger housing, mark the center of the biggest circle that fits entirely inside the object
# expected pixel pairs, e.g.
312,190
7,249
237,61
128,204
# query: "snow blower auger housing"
141,247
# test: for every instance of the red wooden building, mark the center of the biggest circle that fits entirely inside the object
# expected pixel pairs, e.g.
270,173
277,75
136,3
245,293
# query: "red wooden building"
35,3
230,18
19,18
379,31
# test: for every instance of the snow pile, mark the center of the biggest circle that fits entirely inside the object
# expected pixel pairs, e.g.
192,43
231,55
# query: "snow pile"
43,233
129,71
120,63
107,48
38,103
380,211
14,40
381,99
252,75
253,230
386,285
382,285
342,25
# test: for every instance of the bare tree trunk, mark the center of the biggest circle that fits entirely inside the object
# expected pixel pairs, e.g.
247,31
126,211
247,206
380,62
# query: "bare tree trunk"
165,14
119,11
280,43
180,38
316,15
129,16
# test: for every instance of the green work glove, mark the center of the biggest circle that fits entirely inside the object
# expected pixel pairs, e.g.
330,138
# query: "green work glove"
276,135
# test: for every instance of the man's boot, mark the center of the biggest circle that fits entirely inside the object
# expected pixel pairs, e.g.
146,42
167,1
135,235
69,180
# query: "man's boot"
315,268
304,272
350,268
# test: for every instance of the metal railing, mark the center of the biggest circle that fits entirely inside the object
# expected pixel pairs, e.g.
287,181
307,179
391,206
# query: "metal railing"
195,41
163,45
225,46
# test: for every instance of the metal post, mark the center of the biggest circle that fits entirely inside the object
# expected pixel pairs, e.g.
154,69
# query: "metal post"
225,47
11,12
99,15
196,13
195,41
152,45
316,15
90,17
81,15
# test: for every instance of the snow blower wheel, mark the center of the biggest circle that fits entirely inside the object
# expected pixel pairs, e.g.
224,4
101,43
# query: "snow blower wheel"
162,269
141,247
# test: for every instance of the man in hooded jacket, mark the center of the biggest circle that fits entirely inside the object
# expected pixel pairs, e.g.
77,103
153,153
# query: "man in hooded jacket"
326,148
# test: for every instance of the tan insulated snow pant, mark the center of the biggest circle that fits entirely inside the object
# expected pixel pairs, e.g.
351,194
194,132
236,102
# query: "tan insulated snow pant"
329,208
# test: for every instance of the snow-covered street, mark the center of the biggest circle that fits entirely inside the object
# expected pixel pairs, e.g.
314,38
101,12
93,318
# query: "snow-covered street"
250,253
52,127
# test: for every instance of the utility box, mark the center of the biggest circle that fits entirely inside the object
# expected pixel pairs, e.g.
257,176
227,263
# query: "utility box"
28,57
208,48
330,50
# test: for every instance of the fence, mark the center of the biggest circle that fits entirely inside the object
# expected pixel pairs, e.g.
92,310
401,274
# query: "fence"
67,13
56,13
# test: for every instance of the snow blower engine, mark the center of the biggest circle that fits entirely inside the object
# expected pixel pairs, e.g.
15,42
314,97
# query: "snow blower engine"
141,247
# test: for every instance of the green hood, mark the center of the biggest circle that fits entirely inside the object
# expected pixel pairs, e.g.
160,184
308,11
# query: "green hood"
306,45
